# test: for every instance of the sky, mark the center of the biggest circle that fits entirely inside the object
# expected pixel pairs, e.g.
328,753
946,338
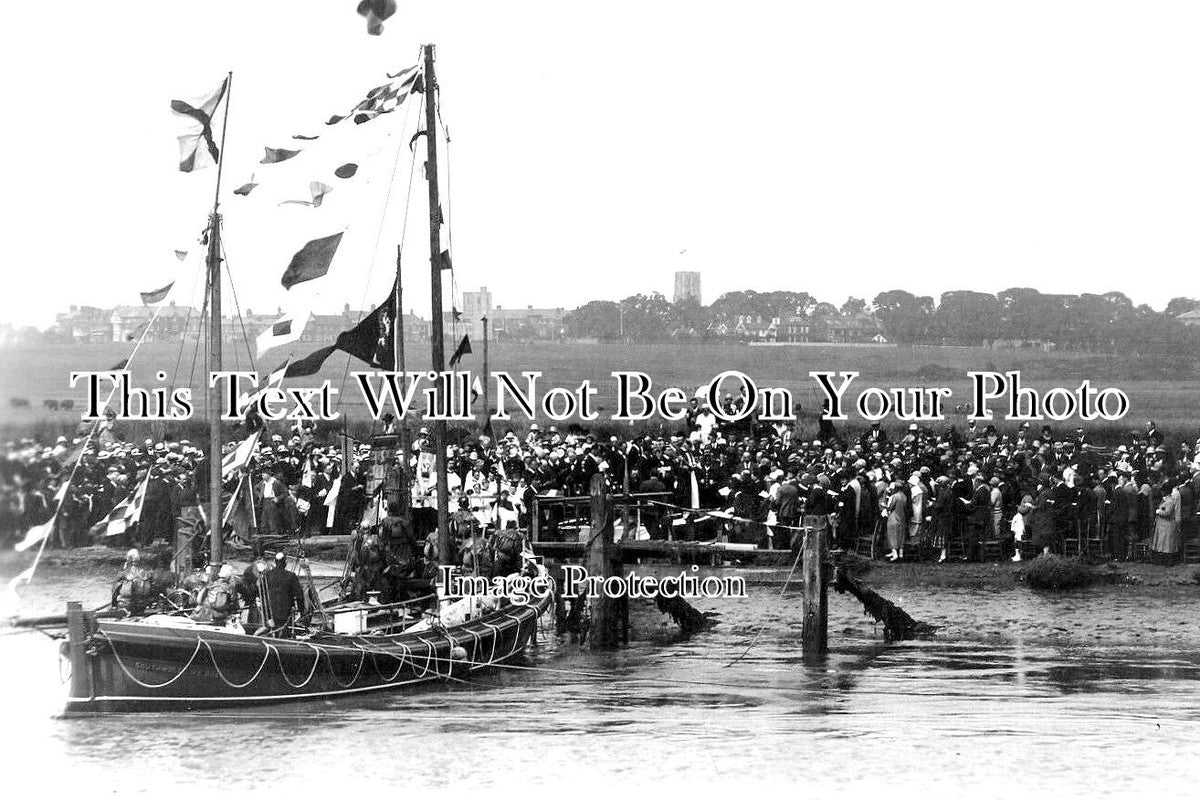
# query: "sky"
834,148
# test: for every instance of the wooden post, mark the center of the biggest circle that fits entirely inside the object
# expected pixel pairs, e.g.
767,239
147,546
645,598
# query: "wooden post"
815,637
77,627
607,626
183,551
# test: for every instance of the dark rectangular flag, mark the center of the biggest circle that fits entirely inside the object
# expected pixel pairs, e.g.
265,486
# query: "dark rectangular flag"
312,261
374,339
197,147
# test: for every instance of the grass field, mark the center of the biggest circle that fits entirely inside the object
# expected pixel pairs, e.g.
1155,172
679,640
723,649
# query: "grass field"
1164,391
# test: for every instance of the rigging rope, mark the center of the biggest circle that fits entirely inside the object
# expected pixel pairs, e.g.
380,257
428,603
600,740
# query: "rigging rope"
187,324
237,306
379,236
37,558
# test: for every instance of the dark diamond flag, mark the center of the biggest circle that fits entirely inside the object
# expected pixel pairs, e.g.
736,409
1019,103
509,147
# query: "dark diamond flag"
312,261
464,348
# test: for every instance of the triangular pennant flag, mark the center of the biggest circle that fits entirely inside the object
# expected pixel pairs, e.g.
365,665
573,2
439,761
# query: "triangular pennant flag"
274,379
36,534
310,364
476,389
197,149
312,261
456,314
156,296
11,598
137,332
239,512
128,511
464,348
239,457
446,257
274,155
120,365
318,191
384,99
331,500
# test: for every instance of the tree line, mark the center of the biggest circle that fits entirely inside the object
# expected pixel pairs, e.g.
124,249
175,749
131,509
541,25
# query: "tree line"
1108,322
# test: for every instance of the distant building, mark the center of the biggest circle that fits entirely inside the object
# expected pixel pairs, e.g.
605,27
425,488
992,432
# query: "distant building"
507,323
476,306
126,323
527,323
834,328
85,324
687,286
756,327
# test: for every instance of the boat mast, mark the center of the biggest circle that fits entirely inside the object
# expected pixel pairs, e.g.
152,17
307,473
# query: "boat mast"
445,552
398,366
214,351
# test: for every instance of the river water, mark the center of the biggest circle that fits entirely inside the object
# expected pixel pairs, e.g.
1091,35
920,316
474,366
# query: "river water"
1018,694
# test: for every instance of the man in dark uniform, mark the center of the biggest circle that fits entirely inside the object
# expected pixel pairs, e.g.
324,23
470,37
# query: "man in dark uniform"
652,514
282,594
788,512
400,544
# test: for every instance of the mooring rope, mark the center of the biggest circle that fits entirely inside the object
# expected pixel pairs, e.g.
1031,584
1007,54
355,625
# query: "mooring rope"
283,672
763,624
213,657
143,684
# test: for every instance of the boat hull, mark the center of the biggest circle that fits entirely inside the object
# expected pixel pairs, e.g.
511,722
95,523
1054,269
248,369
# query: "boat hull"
133,666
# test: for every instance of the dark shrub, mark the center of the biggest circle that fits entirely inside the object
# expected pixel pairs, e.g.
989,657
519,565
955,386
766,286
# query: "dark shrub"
1057,574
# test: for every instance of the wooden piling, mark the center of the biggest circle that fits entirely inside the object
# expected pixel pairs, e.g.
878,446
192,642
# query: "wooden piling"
815,637
77,633
608,622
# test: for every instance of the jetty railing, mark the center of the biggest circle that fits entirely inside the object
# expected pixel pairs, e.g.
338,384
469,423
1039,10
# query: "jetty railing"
554,512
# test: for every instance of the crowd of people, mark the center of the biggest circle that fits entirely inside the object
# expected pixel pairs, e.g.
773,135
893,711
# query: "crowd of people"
927,492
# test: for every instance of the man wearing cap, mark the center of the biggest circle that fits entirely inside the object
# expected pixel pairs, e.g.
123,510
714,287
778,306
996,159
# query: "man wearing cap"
273,504
282,594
